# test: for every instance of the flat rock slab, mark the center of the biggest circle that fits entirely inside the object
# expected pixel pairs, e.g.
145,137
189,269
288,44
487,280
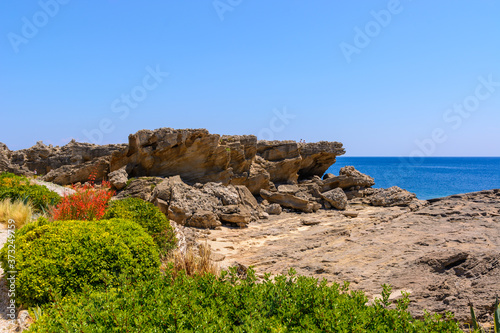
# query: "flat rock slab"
310,222
443,253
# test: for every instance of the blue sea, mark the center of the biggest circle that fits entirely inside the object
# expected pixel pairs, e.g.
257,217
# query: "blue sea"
428,177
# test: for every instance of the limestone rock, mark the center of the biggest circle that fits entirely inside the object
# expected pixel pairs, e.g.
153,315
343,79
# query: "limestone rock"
7,166
203,219
179,201
139,188
43,158
317,157
118,178
336,198
236,214
290,201
281,159
392,196
290,189
70,174
328,176
273,209
348,177
194,154
227,194
246,197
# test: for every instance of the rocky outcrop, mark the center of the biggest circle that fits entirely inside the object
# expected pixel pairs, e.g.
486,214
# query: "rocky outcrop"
194,154
139,188
7,166
205,205
290,201
198,156
393,196
348,177
44,159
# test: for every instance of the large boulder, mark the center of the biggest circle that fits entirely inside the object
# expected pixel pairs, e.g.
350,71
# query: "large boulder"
273,209
336,198
290,201
139,188
118,178
190,205
392,196
180,202
348,177
203,219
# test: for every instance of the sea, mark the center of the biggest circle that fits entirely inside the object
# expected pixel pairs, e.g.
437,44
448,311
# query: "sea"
428,177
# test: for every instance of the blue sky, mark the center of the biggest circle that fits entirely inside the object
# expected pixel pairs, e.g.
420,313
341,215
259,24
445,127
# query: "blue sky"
385,78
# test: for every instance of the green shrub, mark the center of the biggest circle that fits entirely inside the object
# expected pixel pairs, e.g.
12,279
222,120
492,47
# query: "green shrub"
8,179
228,304
62,257
18,188
147,216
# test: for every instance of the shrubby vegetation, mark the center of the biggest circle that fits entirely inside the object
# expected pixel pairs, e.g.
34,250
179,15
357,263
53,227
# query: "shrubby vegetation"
206,303
62,257
87,203
19,188
147,216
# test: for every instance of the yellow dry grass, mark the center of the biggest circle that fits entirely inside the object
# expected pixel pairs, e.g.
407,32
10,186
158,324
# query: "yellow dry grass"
193,262
18,211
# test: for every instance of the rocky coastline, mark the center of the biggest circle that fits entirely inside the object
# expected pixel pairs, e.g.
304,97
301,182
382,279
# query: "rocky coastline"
269,205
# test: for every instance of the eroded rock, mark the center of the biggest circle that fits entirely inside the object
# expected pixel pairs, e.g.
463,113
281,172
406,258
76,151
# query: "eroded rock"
392,196
290,201
118,178
336,198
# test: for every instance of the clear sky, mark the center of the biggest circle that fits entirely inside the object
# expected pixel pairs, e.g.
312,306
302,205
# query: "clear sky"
385,78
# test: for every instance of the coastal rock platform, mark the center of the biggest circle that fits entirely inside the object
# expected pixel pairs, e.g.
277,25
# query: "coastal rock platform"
443,254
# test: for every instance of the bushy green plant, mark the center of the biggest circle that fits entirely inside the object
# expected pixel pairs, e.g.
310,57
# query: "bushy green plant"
206,303
8,179
147,216
62,257
19,188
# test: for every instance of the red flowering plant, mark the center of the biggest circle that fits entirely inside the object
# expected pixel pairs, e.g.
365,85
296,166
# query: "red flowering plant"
89,202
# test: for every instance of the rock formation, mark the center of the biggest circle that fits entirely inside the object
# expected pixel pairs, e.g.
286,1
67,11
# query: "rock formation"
193,154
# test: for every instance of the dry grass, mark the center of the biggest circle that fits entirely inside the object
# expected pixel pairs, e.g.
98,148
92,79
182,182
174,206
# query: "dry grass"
18,211
193,261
